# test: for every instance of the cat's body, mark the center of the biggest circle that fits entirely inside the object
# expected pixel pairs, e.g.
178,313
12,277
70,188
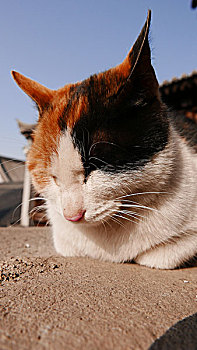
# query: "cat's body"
119,180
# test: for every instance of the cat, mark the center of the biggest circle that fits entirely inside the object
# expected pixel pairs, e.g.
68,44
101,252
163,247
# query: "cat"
118,179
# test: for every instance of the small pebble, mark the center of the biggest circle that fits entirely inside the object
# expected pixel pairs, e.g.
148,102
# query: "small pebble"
55,267
186,281
27,245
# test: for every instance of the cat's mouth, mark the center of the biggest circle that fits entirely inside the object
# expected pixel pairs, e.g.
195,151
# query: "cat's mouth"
86,218
101,214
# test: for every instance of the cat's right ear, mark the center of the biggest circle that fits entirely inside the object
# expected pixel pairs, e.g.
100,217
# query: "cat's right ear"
39,93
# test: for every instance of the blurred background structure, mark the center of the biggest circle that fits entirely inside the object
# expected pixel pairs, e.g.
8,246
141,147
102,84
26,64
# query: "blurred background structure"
11,186
194,4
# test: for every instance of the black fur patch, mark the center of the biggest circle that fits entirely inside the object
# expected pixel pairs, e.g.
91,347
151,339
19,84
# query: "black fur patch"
62,122
114,139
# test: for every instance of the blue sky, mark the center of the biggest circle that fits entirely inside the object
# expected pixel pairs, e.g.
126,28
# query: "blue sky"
62,41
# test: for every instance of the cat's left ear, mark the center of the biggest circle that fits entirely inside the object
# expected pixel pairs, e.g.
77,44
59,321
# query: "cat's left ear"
139,75
39,93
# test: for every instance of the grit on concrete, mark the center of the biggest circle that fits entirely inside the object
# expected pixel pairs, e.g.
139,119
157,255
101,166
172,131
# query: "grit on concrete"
51,302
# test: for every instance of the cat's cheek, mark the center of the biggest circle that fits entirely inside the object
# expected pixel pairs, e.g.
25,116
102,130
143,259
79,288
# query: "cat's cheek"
52,195
40,183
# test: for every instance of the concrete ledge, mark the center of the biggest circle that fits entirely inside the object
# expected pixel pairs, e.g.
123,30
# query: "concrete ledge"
51,302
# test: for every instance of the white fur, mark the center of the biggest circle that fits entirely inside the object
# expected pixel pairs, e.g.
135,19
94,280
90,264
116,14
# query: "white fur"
164,237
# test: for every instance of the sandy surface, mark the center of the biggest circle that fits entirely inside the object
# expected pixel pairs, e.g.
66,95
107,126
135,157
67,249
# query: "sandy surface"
51,302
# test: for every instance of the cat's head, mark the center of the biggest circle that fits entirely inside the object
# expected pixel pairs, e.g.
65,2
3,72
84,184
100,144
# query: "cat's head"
98,139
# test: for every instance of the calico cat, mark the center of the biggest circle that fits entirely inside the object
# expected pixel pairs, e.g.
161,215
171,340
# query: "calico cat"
119,181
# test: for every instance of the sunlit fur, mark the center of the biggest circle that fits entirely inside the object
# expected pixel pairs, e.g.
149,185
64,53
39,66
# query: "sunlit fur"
165,234
147,212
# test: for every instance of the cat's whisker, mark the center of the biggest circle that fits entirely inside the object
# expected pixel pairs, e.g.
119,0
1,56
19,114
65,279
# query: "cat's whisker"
93,145
15,223
130,214
103,142
107,222
125,218
90,163
17,167
103,223
138,206
37,209
14,211
133,212
45,215
29,200
141,193
47,223
35,198
102,161
11,161
117,222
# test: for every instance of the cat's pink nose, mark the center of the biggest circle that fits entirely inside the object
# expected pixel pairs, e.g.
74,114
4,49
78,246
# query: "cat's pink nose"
76,217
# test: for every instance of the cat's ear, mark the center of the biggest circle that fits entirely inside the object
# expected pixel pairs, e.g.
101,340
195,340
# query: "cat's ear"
39,93
139,75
